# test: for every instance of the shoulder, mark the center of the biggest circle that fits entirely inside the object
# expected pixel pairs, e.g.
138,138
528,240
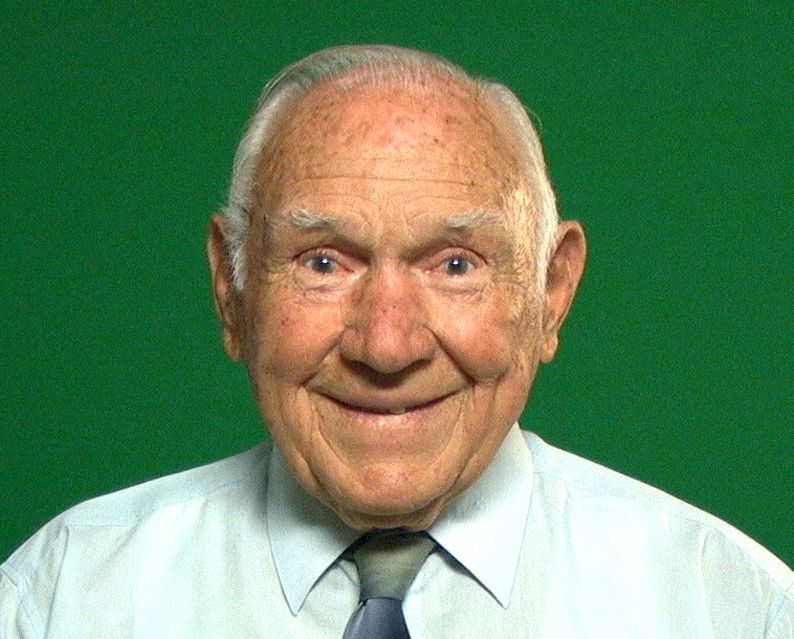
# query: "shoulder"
634,553
100,562
145,510
635,513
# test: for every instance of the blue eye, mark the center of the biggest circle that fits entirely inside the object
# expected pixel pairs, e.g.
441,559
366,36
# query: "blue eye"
457,266
322,264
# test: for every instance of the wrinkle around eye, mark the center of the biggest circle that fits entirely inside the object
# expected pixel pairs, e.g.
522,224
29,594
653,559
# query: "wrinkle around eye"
321,267
456,262
459,271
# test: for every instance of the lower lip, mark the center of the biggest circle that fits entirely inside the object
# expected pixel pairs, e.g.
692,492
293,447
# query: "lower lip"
414,425
419,431
402,413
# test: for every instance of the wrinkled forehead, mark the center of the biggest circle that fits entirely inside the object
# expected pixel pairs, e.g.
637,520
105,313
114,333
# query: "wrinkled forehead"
433,109
433,128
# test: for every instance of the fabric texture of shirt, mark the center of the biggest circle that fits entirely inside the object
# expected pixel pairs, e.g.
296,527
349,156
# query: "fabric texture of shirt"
544,544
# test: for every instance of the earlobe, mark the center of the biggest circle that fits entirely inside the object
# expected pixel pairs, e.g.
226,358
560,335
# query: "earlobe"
226,297
562,279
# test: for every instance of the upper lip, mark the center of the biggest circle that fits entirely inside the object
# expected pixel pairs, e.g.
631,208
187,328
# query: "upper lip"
373,405
359,392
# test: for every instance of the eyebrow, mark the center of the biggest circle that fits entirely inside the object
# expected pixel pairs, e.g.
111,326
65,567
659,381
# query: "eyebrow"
306,219
470,220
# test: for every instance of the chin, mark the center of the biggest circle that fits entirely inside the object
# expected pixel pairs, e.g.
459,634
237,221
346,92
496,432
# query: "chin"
389,504
414,520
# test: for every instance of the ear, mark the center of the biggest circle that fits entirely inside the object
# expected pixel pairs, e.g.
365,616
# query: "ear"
562,279
227,298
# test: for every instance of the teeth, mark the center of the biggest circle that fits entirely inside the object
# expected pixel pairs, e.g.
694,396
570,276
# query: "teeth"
397,411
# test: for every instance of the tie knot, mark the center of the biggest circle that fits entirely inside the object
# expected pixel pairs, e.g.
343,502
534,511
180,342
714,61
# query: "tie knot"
387,562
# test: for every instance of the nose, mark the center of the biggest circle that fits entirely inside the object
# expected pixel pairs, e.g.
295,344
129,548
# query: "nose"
387,330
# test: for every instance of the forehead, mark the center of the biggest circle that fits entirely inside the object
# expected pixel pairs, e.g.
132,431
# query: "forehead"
439,132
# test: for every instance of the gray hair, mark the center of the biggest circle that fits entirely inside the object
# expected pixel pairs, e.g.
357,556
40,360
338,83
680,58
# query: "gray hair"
377,63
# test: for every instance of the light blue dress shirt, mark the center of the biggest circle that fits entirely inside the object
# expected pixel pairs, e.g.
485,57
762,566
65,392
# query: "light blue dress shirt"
544,544
483,529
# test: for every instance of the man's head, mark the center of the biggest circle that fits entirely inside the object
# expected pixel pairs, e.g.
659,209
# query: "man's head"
392,271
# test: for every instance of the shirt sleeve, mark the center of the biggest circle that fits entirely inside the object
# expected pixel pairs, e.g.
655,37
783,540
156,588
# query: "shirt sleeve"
14,620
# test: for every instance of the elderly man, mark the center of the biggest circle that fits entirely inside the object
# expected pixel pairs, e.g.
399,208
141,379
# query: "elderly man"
391,269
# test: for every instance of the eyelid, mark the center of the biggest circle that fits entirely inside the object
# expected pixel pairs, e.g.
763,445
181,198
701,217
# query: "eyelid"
452,252
343,265
317,251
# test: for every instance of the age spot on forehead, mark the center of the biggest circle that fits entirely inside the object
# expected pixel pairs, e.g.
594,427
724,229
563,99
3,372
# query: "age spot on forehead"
403,119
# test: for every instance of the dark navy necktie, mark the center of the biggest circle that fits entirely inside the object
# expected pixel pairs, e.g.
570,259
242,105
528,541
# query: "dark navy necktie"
387,563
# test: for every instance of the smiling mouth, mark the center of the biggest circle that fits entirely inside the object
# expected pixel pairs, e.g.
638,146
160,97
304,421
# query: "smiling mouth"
374,410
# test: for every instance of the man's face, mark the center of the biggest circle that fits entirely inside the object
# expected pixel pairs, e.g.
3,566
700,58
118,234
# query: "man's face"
387,321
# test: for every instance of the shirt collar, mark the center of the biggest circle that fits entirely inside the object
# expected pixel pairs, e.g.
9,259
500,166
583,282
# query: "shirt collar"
305,536
482,529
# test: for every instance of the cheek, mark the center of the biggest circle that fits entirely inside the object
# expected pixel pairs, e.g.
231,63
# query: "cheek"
292,339
491,340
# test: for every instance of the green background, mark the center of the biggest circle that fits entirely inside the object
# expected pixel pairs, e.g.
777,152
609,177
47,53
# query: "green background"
669,130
